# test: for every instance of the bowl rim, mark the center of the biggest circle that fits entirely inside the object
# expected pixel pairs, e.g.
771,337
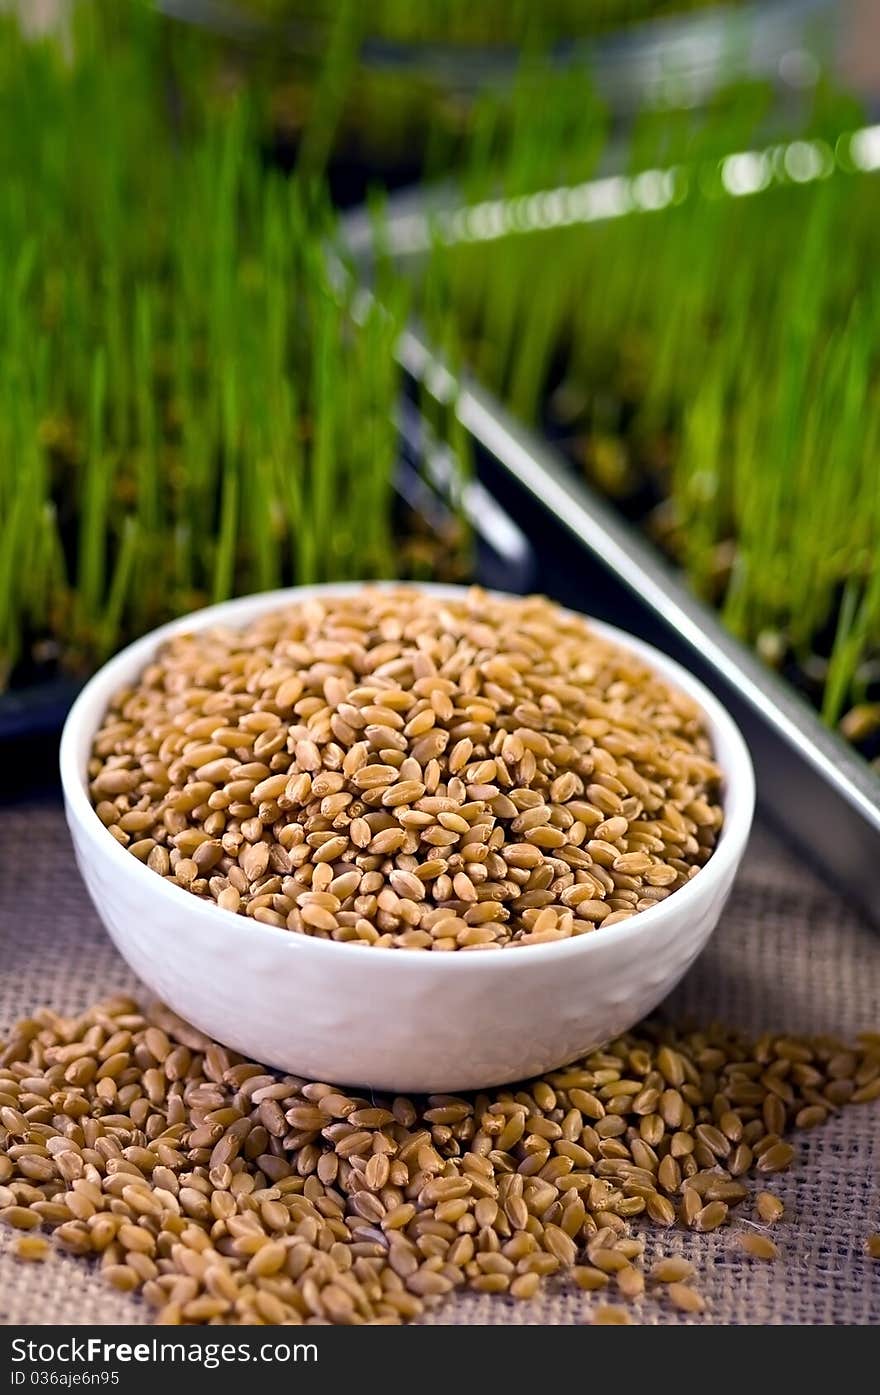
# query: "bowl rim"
738,793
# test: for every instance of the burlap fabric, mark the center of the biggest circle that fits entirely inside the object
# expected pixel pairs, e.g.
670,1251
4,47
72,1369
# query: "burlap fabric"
789,954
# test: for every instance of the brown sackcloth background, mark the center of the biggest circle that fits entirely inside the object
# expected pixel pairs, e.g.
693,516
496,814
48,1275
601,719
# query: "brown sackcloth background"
788,955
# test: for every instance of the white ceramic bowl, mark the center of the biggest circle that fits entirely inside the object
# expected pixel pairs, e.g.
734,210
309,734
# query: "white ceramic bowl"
386,1018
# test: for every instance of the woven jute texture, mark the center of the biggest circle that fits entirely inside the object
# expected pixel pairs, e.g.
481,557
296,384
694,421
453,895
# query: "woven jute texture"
788,955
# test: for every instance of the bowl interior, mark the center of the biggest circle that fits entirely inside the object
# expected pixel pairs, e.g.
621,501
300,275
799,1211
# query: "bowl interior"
88,710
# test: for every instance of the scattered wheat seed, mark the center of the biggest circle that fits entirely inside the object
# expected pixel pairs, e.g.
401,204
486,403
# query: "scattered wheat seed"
609,1315
686,1299
630,1282
224,1191
710,1217
758,1246
672,1270
769,1207
31,1247
777,1158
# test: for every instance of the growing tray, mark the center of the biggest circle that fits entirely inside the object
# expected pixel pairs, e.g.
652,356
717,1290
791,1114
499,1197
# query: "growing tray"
819,793
427,480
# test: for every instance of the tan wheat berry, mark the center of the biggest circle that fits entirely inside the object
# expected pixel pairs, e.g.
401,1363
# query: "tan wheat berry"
222,1191
686,1299
609,1315
769,1207
673,1270
758,1246
398,770
31,1247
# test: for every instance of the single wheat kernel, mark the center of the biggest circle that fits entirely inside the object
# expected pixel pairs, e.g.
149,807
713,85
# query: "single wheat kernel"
758,1246
769,1207
609,1315
630,1282
672,1270
31,1247
711,1216
685,1298
777,1158
525,1285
